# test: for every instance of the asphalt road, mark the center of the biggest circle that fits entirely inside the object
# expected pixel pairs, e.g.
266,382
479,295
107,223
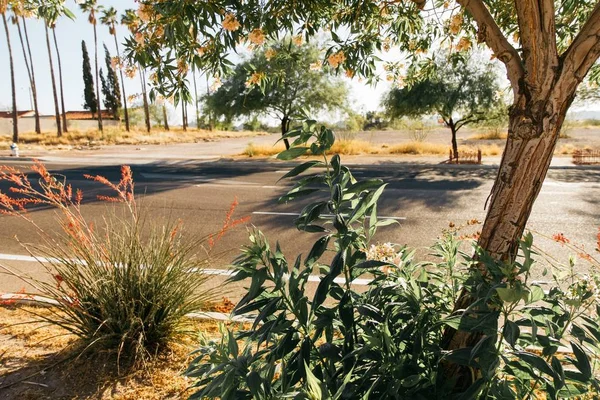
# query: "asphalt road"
425,198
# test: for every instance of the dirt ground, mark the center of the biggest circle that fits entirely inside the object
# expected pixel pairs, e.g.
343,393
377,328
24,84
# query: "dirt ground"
45,362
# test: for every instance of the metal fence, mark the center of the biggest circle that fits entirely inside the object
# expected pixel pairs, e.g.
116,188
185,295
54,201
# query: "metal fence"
586,157
465,157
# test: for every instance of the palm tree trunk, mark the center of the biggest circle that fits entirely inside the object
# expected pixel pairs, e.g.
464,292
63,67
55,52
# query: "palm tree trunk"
183,118
29,66
53,80
98,99
122,82
15,137
145,98
60,83
196,99
33,85
165,117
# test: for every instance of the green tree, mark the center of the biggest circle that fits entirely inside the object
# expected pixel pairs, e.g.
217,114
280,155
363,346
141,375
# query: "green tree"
459,88
280,82
89,94
60,79
3,10
110,87
109,18
547,48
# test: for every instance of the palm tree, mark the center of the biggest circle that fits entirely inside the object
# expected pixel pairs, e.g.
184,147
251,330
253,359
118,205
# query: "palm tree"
15,138
50,11
60,81
91,7
109,18
20,11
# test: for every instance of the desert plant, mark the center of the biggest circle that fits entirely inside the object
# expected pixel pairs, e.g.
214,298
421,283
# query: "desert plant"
389,341
125,285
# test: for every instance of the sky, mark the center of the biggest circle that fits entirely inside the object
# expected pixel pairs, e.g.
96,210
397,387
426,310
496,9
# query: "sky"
70,34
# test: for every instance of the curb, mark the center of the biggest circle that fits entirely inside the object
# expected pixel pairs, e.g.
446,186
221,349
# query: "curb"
40,301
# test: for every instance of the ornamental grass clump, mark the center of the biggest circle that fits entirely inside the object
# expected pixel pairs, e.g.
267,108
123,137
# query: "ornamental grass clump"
125,284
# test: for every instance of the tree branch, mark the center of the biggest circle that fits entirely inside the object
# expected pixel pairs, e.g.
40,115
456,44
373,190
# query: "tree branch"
582,53
490,33
470,119
538,36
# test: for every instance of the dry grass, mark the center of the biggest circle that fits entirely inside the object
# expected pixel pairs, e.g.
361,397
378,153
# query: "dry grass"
418,148
254,150
120,136
45,360
355,147
490,135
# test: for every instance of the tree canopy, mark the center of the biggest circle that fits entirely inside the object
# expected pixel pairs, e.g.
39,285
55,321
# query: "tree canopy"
294,88
459,88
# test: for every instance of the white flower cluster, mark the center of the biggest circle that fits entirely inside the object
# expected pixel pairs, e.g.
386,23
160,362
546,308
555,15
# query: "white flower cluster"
385,253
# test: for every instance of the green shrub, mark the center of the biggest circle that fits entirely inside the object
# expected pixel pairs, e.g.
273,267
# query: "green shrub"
388,342
125,285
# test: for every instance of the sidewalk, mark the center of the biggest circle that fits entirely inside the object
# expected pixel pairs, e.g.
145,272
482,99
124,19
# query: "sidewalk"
228,151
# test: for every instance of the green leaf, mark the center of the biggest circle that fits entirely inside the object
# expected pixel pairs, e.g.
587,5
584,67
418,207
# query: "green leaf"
292,153
535,361
317,250
511,333
582,363
301,168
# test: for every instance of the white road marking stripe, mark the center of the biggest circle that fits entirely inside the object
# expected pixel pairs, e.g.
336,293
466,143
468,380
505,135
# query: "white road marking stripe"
323,215
208,271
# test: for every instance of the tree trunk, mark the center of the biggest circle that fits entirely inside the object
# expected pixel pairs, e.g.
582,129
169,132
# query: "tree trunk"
165,117
122,81
98,99
285,127
60,83
29,66
145,99
15,120
196,99
453,129
53,80
183,117
532,137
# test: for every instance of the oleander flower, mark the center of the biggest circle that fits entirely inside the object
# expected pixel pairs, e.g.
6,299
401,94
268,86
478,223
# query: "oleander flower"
269,54
255,79
336,59
230,23
256,37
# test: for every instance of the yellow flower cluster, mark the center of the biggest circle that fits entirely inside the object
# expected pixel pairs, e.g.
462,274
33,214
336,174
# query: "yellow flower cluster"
255,79
182,66
139,39
455,24
298,40
270,53
387,44
336,59
216,84
256,37
115,62
153,77
350,73
230,23
316,66
464,44
201,50
385,253
130,71
144,12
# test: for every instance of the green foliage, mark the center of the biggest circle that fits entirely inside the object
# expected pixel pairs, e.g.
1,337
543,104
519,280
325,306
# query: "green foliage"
386,342
111,90
458,88
89,93
286,87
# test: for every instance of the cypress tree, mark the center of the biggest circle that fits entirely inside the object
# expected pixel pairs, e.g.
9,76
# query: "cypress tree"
89,94
112,94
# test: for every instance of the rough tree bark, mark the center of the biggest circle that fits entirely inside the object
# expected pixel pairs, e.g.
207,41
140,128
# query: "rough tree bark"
544,86
53,80
453,129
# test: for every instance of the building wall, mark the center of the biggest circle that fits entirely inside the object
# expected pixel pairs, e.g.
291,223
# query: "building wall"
49,125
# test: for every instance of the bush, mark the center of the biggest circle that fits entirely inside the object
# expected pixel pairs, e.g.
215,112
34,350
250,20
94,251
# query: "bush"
388,342
124,285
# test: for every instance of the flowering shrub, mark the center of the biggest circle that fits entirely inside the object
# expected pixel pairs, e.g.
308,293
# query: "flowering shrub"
388,342
125,285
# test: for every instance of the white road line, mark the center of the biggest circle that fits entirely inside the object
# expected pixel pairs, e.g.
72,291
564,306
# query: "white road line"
208,271
322,215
